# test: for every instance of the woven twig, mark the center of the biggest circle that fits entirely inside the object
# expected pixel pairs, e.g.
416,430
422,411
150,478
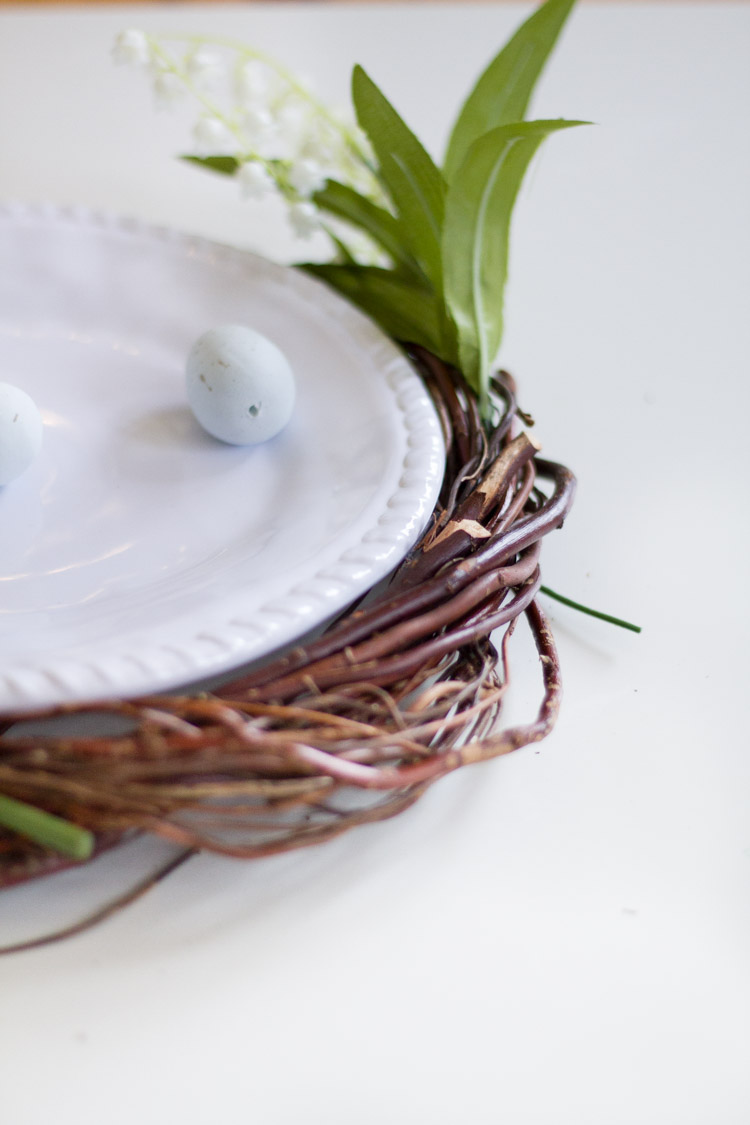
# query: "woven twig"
353,727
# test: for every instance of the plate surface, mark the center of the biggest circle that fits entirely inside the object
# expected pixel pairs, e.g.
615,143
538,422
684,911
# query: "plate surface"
138,553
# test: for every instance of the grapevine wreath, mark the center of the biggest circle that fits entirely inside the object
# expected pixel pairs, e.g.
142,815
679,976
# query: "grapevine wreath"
408,684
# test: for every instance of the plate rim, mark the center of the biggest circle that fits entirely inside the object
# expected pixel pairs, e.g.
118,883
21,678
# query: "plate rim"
284,618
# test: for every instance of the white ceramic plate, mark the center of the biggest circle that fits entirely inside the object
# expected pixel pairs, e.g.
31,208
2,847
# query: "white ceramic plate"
137,553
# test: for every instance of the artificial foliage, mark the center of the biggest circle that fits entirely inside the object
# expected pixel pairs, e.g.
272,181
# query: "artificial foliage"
407,686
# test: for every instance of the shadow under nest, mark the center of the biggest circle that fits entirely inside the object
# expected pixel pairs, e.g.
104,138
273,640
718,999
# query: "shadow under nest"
399,691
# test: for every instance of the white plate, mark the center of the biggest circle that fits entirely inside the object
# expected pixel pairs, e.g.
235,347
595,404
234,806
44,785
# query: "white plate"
137,553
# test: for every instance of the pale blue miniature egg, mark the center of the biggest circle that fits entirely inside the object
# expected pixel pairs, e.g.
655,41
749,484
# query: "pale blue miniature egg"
239,385
20,432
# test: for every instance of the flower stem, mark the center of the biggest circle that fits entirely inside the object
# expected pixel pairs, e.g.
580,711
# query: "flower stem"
171,67
246,52
591,612
46,829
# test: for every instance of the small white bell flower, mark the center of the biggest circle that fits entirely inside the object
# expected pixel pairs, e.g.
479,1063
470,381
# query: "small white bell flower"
252,82
291,118
303,218
306,177
205,68
319,147
257,125
168,88
254,180
131,48
212,137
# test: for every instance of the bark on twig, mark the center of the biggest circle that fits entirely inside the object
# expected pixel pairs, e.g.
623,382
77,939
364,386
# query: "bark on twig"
353,727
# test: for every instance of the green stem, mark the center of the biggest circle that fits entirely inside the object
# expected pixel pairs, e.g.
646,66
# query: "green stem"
171,67
246,52
46,829
591,612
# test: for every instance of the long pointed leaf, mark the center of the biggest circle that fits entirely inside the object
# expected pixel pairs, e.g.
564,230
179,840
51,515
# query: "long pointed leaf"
411,178
503,91
475,242
345,256
346,203
403,310
224,165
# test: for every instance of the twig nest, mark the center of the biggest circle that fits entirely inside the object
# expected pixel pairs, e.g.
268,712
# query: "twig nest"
240,386
20,432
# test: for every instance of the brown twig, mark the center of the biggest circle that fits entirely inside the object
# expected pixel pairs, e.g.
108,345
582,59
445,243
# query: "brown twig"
351,728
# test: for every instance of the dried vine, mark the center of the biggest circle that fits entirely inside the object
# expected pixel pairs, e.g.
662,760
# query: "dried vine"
353,727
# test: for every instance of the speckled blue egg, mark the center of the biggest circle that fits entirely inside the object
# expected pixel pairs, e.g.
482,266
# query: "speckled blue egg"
239,385
20,432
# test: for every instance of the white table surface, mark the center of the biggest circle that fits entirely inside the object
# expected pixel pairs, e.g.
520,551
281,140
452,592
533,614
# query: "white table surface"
560,936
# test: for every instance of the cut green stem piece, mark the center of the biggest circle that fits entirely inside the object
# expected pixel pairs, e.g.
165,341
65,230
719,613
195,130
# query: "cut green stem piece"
591,612
45,828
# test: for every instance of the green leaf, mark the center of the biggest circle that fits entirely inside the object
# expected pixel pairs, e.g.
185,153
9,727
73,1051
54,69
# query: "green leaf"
345,255
224,165
411,178
503,91
404,311
475,241
346,203
45,828
591,612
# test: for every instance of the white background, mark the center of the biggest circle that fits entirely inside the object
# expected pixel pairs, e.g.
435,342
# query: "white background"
560,936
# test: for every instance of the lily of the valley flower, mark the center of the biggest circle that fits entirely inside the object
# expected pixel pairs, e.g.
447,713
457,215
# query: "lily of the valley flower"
212,137
131,48
168,88
252,82
281,134
205,68
307,177
258,126
255,180
304,219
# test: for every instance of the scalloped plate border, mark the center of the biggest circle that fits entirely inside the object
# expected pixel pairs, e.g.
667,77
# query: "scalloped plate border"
220,646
